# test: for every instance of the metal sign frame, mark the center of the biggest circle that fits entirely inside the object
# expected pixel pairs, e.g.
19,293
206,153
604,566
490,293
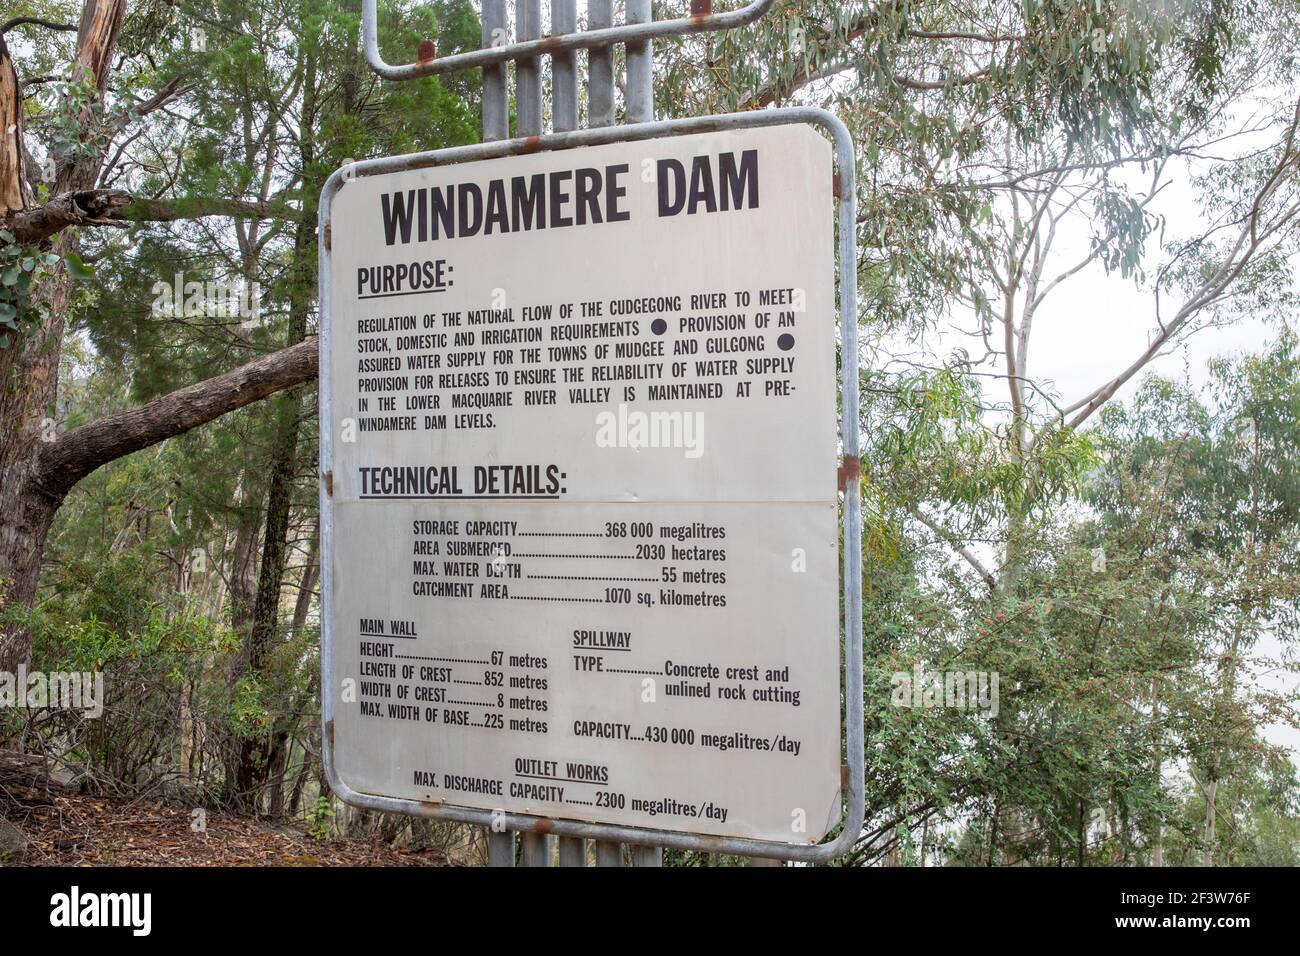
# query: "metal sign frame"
851,569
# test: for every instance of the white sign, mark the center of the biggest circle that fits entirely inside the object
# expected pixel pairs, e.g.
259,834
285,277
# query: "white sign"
584,513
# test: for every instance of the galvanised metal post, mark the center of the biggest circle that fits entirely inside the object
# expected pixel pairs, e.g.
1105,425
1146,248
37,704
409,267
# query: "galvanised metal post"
496,126
647,856
564,117
501,847
535,849
600,112
528,73
600,67
573,851
564,75
609,854
640,69
496,115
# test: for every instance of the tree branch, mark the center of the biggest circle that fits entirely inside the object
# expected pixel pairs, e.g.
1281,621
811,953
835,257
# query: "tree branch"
1239,255
951,540
172,210
84,207
173,90
116,207
75,454
37,21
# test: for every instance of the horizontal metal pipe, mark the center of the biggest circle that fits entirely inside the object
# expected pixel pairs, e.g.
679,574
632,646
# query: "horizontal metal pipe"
584,40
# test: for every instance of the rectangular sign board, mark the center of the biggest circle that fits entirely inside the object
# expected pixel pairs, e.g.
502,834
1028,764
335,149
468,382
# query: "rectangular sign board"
582,485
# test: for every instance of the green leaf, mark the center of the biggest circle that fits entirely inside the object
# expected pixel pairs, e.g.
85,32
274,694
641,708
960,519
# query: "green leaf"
76,268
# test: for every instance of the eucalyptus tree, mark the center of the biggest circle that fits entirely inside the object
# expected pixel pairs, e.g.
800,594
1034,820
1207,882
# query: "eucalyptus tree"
1223,462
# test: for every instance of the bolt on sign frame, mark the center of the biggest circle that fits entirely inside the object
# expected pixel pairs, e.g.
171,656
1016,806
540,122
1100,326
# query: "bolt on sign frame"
641,126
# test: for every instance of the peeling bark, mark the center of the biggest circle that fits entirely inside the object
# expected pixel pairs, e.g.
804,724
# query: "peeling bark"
13,195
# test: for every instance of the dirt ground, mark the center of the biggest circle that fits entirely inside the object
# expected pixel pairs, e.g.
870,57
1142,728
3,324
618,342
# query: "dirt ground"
65,828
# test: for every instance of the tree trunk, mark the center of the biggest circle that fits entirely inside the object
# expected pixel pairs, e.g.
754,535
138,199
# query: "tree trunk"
1158,853
1211,821
300,784
29,365
38,464
307,586
258,756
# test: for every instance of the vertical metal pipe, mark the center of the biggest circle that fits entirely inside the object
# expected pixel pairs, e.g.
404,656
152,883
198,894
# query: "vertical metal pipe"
640,69
609,854
528,72
496,116
600,67
850,383
535,849
564,79
573,851
647,856
501,848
